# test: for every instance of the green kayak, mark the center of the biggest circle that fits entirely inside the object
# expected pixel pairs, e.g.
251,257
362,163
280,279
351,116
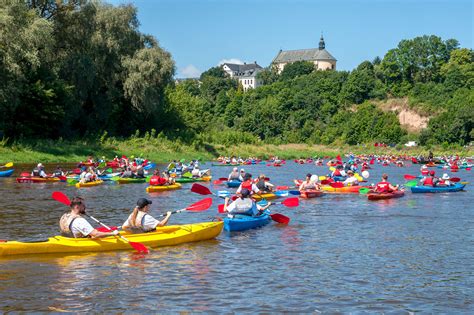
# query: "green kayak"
192,180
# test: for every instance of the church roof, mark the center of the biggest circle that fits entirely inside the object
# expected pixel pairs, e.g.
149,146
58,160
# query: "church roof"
242,68
311,54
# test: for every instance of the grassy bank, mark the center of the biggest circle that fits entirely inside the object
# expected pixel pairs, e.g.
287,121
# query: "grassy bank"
162,150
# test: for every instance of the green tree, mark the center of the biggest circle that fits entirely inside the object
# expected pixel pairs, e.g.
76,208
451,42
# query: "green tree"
297,68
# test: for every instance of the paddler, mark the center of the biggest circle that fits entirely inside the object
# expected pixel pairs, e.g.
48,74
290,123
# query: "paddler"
38,171
244,205
384,186
430,180
248,184
58,172
351,179
73,225
309,183
445,180
195,172
157,180
263,185
142,222
234,175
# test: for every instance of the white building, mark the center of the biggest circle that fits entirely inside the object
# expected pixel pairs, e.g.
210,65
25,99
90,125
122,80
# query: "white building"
246,74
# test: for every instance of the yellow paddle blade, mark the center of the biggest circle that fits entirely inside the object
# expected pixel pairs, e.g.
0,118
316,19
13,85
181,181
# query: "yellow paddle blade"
359,178
9,164
322,177
332,168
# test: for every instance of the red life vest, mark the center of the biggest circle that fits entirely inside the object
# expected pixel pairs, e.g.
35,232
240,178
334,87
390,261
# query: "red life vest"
336,173
428,181
157,180
425,172
247,184
382,187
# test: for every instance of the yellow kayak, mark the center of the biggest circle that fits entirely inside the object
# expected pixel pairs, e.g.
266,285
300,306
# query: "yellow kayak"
89,184
268,196
165,236
164,187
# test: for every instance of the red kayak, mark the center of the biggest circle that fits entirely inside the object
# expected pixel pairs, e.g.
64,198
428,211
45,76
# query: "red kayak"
388,195
32,179
311,193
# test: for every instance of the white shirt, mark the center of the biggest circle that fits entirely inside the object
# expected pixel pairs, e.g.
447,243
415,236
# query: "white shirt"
80,227
149,222
351,181
241,206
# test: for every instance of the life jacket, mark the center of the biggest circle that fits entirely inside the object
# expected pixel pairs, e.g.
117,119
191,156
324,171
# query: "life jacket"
428,181
36,172
244,207
141,173
57,173
137,226
65,224
382,187
336,173
247,184
156,180
425,172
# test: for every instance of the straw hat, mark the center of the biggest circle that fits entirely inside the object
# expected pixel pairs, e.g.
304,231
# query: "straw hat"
445,176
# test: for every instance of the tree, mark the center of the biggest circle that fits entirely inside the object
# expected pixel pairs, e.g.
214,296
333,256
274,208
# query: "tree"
215,72
295,69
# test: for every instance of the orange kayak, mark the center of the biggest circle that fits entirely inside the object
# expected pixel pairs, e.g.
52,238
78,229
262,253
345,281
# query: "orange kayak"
311,193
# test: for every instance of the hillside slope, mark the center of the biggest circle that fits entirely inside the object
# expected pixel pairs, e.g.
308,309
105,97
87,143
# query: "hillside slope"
410,120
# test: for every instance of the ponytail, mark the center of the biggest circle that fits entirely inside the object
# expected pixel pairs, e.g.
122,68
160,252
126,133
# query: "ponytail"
133,217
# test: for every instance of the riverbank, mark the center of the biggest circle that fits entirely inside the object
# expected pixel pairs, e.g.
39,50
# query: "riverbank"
163,150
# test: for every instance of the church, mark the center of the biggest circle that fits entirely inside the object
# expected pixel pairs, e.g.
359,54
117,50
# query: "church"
321,58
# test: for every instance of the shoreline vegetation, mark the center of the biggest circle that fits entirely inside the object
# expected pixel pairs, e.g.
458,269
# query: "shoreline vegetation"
162,150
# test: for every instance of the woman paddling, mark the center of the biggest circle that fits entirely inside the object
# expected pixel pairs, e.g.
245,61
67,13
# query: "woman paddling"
142,222
244,205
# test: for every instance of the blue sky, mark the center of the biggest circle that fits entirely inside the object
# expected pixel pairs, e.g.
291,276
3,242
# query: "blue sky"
202,33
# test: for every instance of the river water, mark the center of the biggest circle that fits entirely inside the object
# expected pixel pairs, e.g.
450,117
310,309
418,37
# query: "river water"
340,253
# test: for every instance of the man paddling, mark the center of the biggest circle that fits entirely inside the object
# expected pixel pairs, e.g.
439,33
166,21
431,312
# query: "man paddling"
38,171
384,186
244,205
73,225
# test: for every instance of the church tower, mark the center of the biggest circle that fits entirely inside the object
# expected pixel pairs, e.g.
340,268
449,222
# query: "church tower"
322,45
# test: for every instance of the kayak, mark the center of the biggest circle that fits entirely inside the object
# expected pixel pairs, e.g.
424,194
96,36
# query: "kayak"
89,184
387,195
192,180
311,193
343,190
246,222
268,196
30,179
164,236
339,178
437,189
223,164
130,180
233,183
6,173
152,188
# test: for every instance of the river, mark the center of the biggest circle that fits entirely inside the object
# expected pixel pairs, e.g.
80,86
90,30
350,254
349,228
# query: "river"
340,253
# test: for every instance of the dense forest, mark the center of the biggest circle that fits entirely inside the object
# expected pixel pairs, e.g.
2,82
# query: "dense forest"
83,69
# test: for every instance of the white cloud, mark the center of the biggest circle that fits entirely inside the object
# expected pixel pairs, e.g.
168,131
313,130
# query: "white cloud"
190,71
231,60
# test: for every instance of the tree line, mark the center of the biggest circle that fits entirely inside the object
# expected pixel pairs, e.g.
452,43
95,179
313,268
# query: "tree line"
82,68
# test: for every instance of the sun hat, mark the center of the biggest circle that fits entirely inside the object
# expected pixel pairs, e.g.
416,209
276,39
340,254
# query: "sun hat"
445,176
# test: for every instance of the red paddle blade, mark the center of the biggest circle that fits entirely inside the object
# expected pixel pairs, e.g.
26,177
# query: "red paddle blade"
325,182
280,218
24,174
455,179
409,177
200,189
217,182
220,208
62,198
291,202
139,247
104,229
224,179
200,205
336,185
282,187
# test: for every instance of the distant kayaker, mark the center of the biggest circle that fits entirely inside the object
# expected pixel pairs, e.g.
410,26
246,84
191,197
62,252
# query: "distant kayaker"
384,186
142,222
195,172
140,172
73,225
338,172
244,205
263,185
351,179
58,172
424,170
430,180
127,173
234,175
310,183
248,184
158,180
38,171
445,180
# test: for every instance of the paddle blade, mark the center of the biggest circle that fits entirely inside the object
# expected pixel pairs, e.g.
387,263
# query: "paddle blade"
325,182
104,229
139,247
364,191
224,179
220,208
200,189
409,177
413,183
294,192
455,179
200,205
336,185
9,164
280,218
217,182
187,175
291,202
62,198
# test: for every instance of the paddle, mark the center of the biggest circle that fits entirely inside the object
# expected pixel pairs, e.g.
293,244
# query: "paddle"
62,198
455,180
9,164
409,177
277,217
149,166
412,183
187,175
219,181
364,190
336,185
199,206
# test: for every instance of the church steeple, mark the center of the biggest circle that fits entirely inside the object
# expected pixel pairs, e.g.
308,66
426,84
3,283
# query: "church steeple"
322,45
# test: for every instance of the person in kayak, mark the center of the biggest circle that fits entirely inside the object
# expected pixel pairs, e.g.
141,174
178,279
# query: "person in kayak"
338,172
58,172
384,186
248,184
195,172
351,179
73,225
38,171
140,172
424,170
430,180
157,180
244,205
263,185
234,175
445,180
308,184
139,221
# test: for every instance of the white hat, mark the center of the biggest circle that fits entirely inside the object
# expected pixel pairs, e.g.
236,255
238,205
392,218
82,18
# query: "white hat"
314,178
424,166
39,165
236,168
242,170
445,176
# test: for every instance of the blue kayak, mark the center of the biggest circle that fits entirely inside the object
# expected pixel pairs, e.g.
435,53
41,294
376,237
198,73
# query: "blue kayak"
6,173
233,183
245,222
437,189
339,178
